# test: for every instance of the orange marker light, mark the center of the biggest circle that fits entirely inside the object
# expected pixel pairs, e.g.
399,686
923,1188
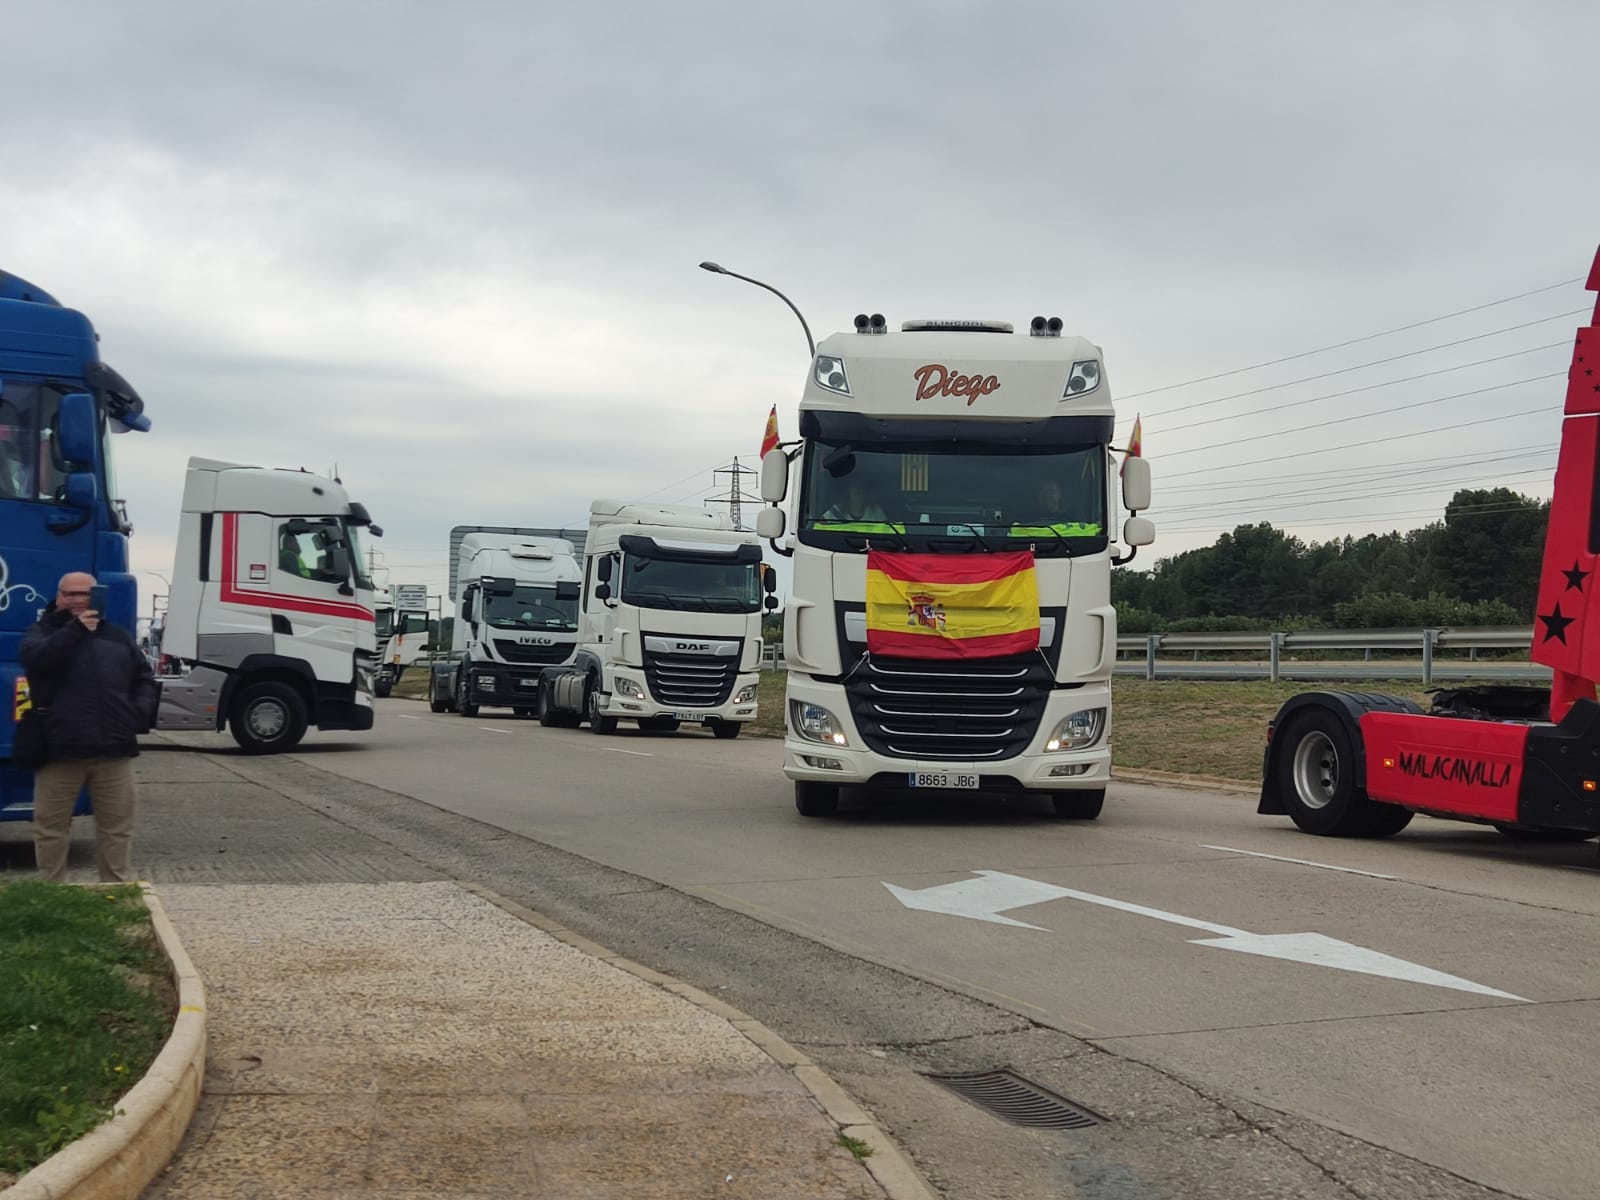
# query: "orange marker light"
1588,785
1389,763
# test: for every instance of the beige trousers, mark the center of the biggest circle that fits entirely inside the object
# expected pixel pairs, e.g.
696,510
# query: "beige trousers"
55,791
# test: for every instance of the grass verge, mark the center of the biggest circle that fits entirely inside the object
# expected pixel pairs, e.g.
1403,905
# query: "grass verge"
86,1003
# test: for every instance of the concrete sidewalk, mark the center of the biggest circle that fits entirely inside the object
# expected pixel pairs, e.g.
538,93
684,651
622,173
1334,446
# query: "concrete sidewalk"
419,1040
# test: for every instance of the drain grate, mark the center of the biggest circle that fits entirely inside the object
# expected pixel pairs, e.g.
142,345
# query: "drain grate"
1012,1098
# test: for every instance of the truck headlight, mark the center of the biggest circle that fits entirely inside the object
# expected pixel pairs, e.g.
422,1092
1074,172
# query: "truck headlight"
627,687
746,694
1081,729
484,683
816,724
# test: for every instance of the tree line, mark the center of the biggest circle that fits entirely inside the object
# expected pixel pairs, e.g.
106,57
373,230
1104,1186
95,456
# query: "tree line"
1478,566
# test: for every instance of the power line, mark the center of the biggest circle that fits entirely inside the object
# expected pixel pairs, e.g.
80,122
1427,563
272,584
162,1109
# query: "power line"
1526,412
1355,341
1371,387
1475,455
1366,416
1357,518
1384,490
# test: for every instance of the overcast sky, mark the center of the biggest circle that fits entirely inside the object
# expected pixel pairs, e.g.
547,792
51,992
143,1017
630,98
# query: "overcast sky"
452,248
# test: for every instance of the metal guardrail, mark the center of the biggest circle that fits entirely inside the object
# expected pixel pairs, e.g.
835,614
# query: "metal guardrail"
1159,652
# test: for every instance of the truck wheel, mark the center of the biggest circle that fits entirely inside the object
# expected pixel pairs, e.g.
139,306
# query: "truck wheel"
268,718
726,729
813,799
1317,780
1080,806
438,704
381,687
462,707
591,703
1518,833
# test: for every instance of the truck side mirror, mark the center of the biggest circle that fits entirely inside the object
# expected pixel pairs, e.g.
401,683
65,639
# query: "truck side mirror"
1138,531
602,591
769,523
771,604
774,476
769,580
568,589
77,428
602,570
1135,484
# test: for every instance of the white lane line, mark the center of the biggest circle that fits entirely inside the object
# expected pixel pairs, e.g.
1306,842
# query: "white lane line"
1304,862
616,750
407,717
492,729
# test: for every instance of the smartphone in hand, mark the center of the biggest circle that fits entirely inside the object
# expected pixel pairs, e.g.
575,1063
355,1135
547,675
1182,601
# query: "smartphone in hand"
97,599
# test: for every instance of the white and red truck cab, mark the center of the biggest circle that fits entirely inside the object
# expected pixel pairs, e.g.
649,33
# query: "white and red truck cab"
270,620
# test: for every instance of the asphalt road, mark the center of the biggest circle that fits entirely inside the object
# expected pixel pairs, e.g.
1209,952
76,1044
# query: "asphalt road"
1425,1035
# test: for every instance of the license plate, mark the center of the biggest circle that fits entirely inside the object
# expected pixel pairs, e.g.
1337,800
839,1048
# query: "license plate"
942,779
689,716
528,682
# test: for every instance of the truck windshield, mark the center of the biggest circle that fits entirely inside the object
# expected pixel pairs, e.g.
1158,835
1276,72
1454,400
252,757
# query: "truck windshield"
705,585
359,554
920,497
532,608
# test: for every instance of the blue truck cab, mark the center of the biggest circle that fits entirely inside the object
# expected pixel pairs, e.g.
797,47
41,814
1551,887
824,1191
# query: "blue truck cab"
59,407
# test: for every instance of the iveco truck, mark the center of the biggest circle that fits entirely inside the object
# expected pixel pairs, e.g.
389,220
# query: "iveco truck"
517,615
270,620
670,629
955,521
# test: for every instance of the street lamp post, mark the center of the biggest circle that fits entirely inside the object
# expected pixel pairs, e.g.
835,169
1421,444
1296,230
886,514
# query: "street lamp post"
717,269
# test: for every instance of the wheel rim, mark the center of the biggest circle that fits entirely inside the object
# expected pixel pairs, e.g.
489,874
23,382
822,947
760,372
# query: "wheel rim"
267,719
594,705
1316,770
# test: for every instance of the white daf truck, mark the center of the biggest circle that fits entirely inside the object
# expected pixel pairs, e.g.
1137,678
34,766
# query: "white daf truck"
943,447
517,615
269,624
670,627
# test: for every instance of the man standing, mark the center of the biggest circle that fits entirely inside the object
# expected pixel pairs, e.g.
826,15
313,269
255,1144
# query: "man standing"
99,694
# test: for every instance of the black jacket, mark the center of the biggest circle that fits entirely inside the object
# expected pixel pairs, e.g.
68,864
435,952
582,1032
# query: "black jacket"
97,688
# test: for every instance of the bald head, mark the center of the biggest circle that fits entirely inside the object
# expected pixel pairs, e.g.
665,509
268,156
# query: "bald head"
72,593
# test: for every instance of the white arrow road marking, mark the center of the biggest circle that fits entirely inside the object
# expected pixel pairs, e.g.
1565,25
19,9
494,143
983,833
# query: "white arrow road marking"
620,750
987,896
1304,862
492,729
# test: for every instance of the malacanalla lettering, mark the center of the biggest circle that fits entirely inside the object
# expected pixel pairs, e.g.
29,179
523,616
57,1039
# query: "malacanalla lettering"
1447,768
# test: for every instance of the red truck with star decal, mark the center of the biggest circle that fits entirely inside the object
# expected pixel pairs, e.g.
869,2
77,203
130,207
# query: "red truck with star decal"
1525,760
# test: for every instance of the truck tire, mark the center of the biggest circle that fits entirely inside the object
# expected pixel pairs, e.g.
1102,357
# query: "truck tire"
1317,780
267,718
438,704
726,729
1082,805
813,799
382,686
598,723
462,707
549,715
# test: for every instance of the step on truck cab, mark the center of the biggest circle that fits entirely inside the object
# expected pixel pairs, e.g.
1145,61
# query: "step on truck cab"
950,626
61,408
516,592
670,628
270,618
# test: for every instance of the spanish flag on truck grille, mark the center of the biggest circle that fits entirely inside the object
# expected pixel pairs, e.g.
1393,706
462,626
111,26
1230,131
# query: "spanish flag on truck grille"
951,605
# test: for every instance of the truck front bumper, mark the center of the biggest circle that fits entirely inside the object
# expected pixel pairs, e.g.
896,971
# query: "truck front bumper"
621,703
509,686
1035,769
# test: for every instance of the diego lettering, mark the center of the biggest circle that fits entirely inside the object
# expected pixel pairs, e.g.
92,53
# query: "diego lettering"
936,379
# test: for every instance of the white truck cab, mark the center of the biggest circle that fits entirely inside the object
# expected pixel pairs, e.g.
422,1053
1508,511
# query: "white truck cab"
669,632
516,617
269,625
956,451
